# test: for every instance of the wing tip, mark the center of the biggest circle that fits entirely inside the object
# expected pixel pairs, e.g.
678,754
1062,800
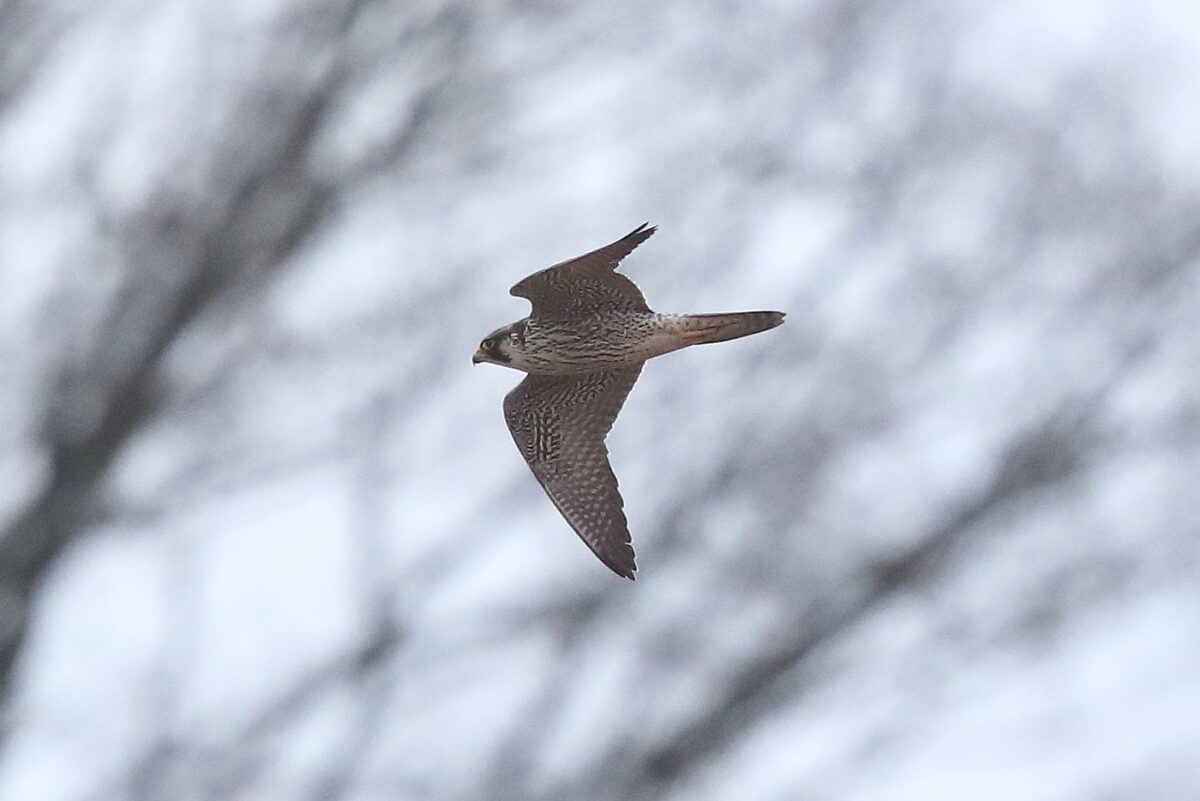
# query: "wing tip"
642,232
622,570
617,555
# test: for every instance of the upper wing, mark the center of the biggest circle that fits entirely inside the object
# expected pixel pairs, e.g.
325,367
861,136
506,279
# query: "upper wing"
588,283
559,424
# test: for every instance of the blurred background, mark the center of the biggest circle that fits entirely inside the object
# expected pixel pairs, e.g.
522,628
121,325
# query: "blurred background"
264,535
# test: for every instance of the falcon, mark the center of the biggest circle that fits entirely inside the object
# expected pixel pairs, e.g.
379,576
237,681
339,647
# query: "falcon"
582,347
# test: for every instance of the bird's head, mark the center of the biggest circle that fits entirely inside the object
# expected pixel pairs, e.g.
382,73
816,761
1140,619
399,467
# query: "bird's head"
498,347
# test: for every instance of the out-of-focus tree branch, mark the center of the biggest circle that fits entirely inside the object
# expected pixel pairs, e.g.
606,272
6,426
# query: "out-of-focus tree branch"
858,156
180,258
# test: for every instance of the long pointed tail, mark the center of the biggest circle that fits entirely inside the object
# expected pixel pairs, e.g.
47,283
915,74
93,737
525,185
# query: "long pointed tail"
696,329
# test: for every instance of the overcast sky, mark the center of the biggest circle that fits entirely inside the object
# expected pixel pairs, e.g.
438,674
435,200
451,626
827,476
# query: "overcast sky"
263,534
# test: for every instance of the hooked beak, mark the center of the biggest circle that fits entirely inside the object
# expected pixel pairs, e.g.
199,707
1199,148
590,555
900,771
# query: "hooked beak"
479,356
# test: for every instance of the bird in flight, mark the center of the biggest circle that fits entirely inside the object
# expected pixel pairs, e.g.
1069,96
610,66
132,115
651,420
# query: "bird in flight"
583,346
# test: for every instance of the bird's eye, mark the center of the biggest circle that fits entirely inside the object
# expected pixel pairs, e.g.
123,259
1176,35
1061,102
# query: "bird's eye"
513,336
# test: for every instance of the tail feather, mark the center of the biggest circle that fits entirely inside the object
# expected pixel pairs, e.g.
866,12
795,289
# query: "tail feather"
700,328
